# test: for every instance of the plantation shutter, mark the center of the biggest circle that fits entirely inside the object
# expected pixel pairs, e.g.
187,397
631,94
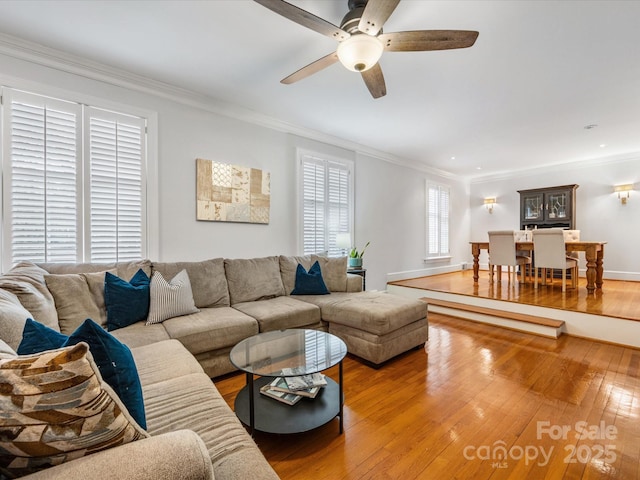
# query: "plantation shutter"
437,220
313,215
42,208
116,165
326,204
444,221
338,203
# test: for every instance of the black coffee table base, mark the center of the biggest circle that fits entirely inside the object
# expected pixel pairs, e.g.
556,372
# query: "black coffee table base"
272,416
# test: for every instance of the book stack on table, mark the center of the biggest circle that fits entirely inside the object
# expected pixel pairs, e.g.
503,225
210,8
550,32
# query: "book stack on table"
291,390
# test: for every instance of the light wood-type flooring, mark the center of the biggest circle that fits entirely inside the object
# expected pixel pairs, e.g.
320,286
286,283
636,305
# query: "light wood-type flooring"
478,402
617,298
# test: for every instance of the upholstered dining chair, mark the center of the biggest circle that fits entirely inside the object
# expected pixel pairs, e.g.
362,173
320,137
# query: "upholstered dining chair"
502,251
549,251
572,236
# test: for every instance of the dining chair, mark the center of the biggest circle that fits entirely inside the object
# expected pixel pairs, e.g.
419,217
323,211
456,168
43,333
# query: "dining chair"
572,236
549,252
502,252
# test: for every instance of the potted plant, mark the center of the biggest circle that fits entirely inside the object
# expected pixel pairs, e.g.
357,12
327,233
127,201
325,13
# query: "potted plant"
355,257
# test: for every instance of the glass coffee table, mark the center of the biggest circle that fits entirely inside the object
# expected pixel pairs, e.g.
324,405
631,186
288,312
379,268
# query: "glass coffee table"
265,356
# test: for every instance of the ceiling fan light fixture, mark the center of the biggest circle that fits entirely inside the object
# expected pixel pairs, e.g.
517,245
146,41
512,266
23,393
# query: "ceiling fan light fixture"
360,52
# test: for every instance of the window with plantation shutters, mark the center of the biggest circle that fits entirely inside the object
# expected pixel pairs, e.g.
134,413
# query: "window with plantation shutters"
437,220
73,180
326,202
116,152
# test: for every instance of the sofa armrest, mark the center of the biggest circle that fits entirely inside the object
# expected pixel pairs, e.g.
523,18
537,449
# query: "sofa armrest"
354,282
179,455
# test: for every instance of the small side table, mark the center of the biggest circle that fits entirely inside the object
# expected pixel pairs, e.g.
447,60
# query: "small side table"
362,272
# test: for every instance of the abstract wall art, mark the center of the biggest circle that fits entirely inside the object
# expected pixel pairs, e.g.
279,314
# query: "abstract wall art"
231,193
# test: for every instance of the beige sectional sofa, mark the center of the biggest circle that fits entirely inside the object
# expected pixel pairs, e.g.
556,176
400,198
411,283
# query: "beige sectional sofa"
186,417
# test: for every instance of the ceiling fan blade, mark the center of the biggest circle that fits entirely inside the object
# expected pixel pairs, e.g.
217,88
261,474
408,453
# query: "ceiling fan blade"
310,69
374,80
305,18
375,14
424,40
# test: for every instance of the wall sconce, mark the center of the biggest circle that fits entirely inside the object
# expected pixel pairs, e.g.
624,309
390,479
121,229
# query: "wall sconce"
623,192
489,202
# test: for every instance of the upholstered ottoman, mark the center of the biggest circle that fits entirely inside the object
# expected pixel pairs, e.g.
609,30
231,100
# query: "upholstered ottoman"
377,326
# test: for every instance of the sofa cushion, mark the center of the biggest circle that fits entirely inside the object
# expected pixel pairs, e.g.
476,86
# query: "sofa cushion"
14,316
211,329
139,334
152,361
309,282
78,296
374,312
113,358
289,267
380,348
170,299
127,302
253,279
334,272
26,281
207,277
281,313
56,408
193,402
5,350
123,269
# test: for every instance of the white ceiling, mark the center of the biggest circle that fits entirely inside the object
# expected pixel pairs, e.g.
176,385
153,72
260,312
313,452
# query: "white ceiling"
539,72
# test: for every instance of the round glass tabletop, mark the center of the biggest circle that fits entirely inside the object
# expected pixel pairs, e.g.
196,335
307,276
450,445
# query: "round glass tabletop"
288,353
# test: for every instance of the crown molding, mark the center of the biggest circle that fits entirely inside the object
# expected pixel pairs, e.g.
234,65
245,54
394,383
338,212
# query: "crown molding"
564,166
68,63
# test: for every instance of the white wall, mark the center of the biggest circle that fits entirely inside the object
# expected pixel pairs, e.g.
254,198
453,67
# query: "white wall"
600,216
390,199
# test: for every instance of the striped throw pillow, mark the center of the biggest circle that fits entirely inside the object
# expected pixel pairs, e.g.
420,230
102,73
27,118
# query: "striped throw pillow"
170,299
55,408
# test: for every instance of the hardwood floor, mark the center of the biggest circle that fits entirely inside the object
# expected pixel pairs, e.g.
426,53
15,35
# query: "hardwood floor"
617,298
443,412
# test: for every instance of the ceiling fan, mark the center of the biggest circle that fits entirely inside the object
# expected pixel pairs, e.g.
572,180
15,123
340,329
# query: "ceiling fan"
362,41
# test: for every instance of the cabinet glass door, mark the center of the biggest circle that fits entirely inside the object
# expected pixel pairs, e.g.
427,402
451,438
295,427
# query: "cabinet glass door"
557,205
533,206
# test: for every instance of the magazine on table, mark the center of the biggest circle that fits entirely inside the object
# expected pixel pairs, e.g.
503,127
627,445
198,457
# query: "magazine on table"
288,398
303,382
279,384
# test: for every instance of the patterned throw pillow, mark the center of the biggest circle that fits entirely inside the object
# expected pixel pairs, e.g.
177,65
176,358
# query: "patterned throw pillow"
114,359
56,408
170,299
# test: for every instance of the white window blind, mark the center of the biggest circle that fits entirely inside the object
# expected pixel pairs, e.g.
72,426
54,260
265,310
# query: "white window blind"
437,220
327,203
73,182
43,152
116,166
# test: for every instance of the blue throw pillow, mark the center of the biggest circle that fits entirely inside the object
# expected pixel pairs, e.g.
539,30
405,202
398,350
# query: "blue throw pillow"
37,338
113,358
126,302
311,282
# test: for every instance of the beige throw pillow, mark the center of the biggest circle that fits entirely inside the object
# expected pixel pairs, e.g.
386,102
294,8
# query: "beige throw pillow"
208,281
12,319
253,279
26,281
78,296
334,272
56,408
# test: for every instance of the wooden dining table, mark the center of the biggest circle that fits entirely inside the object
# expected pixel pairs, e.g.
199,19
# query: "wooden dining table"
593,251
